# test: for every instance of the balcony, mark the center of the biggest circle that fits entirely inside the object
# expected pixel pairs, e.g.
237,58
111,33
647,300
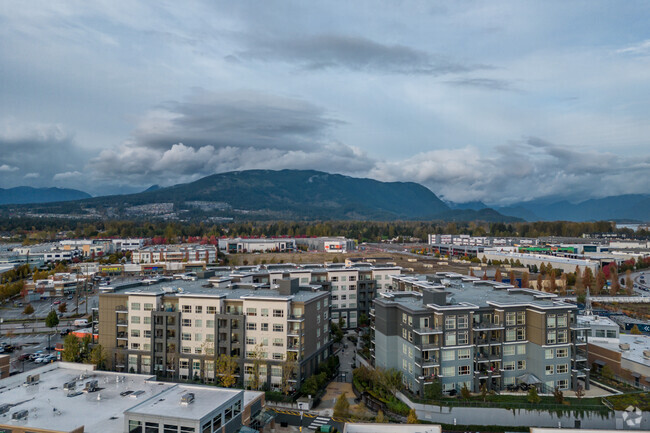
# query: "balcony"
485,325
121,309
487,357
427,362
294,332
122,336
486,341
122,323
372,312
293,347
428,331
295,318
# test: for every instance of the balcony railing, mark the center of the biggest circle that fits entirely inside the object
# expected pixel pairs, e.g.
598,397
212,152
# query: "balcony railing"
122,323
295,318
477,326
121,309
428,330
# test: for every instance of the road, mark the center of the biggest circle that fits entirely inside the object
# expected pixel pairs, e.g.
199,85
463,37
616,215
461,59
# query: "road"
640,286
310,421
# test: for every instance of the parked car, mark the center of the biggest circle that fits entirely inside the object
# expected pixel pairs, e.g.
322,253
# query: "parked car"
24,357
57,302
70,297
65,332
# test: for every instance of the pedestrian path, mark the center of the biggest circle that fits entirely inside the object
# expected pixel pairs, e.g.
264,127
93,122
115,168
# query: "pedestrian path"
317,422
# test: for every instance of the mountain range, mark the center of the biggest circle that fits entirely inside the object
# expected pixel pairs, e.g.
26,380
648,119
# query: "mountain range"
310,195
268,194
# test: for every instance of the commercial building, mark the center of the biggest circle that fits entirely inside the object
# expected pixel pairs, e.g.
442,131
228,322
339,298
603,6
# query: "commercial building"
465,331
328,244
175,254
628,357
257,245
73,398
564,263
59,284
178,329
485,241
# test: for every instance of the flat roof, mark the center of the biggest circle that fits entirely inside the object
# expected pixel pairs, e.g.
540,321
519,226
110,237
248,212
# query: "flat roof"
103,410
390,428
638,344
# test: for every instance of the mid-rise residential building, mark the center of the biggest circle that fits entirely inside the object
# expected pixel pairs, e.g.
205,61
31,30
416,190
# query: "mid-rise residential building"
175,253
178,330
465,331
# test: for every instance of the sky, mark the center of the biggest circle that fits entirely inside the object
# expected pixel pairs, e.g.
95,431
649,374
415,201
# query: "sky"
497,101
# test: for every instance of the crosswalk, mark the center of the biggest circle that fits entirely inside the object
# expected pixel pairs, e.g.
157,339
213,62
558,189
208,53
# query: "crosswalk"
317,422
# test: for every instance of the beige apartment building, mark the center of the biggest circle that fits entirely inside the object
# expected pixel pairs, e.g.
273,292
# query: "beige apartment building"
178,329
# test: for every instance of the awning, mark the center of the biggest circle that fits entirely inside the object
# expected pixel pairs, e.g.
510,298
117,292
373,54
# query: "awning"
529,379
637,375
599,362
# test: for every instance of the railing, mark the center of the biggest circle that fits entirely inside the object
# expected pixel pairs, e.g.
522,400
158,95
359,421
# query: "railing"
487,341
486,325
428,330
294,317
121,309
122,323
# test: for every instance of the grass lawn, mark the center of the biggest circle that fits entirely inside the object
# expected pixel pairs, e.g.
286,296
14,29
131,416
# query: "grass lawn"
640,400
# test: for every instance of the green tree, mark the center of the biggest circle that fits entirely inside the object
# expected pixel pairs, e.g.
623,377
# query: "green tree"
257,357
86,341
607,372
71,348
465,393
226,370
532,396
433,391
342,406
412,418
28,309
98,357
381,418
52,319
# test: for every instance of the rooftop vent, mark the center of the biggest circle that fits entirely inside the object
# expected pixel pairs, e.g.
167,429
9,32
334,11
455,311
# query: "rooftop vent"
646,354
5,408
624,346
21,414
187,398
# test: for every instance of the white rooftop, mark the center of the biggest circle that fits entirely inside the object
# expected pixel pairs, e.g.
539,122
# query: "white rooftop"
595,320
391,428
638,344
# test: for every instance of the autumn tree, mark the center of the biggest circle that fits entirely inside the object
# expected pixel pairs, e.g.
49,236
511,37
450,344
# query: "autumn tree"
484,277
588,278
542,269
600,282
289,369
412,417
540,285
563,284
511,275
635,330
579,286
226,370
63,307
471,272
629,284
342,406
257,357
524,280
497,275
580,392
381,418
28,309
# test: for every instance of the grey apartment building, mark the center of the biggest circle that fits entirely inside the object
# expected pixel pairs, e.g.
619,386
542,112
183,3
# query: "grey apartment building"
465,331
178,329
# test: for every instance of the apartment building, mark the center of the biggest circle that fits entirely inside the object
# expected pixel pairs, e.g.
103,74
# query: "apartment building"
353,286
175,253
464,331
178,329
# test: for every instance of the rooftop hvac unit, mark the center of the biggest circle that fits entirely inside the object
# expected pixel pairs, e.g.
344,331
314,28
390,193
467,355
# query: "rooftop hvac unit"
21,414
32,379
5,408
624,346
646,354
187,398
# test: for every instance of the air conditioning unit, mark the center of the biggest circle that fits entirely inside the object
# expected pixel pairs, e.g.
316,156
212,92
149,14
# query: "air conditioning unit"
624,346
21,414
187,398
646,354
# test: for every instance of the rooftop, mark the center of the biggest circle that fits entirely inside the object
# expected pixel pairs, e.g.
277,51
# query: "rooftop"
638,344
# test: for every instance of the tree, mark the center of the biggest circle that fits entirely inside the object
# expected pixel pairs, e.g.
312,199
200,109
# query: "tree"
540,282
28,309
497,275
511,275
552,283
607,372
412,418
98,357
465,392
226,369
380,418
564,284
288,371
524,280
363,319
52,319
484,391
63,307
580,392
484,277
635,330
86,341
588,278
600,282
532,396
433,391
629,284
342,406
71,348
579,285
558,395
256,356
542,269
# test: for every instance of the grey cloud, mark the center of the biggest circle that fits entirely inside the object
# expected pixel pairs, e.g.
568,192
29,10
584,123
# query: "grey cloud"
245,118
354,53
484,83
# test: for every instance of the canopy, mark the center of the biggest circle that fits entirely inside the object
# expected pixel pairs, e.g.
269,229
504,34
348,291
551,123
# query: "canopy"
529,379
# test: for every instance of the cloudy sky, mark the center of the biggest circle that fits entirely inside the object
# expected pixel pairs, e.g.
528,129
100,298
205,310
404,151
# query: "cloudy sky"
478,100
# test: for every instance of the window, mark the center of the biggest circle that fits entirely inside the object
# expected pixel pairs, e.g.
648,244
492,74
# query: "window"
561,368
448,355
278,313
216,422
550,337
278,356
448,371
251,311
186,349
198,337
450,322
549,370
462,338
611,334
147,320
521,365
463,370
135,320
264,326
135,306
278,327
562,336
135,346
148,307
147,333
264,312
209,324
462,322
563,384
561,353
548,354
450,339
251,326
521,334
521,318
511,334
550,320
136,426
279,342
184,363
187,309
521,349
508,350
209,338
186,336
198,323
511,318
561,320
410,318
135,332
187,322
463,353
211,310
150,427
250,340
509,365
198,309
